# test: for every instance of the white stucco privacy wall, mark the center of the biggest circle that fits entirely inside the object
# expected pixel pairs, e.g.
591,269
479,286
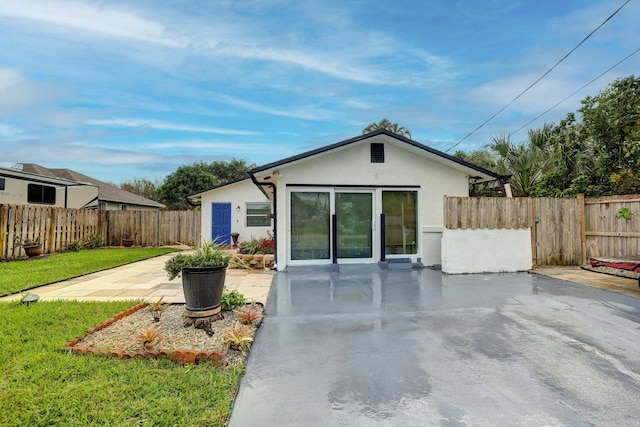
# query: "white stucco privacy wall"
486,250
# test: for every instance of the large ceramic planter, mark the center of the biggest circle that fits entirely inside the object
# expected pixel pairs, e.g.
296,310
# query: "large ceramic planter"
202,287
33,250
127,243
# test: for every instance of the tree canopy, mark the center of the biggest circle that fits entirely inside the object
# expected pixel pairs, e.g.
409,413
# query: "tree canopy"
386,124
188,180
597,155
142,187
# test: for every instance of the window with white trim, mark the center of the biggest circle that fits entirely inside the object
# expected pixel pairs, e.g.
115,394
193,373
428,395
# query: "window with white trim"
258,214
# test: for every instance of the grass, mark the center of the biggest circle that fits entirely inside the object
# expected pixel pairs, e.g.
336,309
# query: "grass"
16,276
43,384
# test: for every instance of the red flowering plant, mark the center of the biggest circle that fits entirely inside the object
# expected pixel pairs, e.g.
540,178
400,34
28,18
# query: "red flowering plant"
267,245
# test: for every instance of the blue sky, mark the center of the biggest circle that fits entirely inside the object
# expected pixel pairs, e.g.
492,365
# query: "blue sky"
124,90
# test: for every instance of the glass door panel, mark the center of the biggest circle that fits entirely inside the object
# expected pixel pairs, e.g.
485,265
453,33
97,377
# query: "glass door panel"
310,219
353,217
400,211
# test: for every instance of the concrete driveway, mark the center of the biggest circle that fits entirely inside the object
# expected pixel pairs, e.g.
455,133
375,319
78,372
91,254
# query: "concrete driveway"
367,347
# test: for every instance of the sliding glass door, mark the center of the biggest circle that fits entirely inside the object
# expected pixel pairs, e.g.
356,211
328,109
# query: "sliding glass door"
400,211
310,225
354,214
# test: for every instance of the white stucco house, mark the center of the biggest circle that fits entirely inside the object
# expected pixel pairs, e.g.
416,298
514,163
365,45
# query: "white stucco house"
376,197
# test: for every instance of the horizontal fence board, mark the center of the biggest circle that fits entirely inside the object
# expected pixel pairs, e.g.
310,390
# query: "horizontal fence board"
58,227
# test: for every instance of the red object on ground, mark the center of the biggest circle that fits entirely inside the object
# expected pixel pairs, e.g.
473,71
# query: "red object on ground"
621,263
628,264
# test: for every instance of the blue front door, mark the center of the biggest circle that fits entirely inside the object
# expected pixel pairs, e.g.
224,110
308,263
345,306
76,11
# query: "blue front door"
221,223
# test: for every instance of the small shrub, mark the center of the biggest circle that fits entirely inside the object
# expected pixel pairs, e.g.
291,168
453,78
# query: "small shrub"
156,308
249,247
231,300
93,241
267,245
209,254
238,338
249,315
150,338
75,246
29,241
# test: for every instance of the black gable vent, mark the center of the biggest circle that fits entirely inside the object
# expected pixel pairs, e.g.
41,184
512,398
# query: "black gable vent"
377,153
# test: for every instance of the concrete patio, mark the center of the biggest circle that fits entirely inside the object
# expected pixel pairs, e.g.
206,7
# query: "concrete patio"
148,281
367,347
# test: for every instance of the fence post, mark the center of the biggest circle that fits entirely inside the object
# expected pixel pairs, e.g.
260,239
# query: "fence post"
583,229
534,234
4,210
50,241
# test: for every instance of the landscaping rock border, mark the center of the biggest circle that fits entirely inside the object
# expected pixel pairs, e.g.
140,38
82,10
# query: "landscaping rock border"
116,337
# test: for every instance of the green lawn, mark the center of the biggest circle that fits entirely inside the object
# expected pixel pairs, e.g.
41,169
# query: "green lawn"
18,276
41,383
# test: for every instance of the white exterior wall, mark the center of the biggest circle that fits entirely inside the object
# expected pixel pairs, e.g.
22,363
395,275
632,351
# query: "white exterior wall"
237,194
351,165
77,196
486,250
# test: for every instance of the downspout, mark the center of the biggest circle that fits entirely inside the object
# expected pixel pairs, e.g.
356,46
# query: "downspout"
273,215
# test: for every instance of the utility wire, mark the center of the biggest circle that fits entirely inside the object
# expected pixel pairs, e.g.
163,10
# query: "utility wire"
541,77
564,99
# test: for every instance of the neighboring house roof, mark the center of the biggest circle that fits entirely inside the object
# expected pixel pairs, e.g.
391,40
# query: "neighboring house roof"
478,173
106,191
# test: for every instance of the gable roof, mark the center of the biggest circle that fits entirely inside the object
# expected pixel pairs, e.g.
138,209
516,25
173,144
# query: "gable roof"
106,191
478,173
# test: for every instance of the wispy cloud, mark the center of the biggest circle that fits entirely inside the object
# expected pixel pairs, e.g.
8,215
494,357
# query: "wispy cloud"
306,112
12,133
95,18
159,125
18,92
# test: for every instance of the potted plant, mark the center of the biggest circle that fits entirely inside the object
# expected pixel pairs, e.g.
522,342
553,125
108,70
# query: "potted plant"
32,246
128,238
203,273
234,236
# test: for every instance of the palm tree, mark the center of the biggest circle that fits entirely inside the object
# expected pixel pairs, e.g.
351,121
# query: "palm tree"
386,124
525,162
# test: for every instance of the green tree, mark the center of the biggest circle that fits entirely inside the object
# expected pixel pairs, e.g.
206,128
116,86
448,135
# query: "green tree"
572,163
601,154
142,187
386,124
612,121
234,170
485,159
185,181
525,162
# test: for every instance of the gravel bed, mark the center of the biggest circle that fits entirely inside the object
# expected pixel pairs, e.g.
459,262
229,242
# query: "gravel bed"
122,335
613,271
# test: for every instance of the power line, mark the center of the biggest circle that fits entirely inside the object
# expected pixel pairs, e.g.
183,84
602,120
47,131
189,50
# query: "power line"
564,99
540,78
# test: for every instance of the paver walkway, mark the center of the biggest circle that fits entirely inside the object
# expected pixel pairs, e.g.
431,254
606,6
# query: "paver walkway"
146,280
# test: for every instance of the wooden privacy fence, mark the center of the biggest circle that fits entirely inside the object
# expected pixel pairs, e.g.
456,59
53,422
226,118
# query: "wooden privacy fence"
57,227
610,234
563,231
